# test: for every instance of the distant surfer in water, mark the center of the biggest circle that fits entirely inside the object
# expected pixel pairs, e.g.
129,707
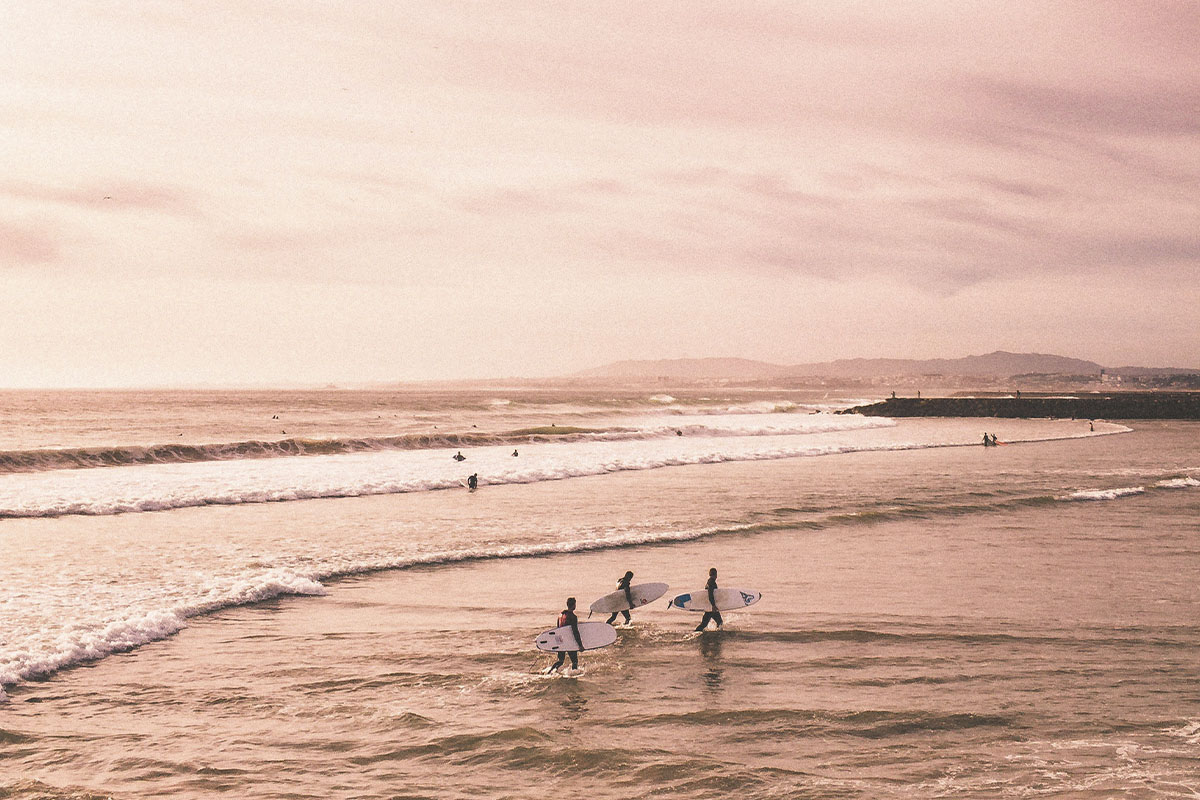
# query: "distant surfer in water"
567,617
711,588
473,481
623,585
459,456
514,453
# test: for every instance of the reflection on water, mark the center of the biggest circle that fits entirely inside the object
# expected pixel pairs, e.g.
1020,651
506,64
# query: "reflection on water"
575,702
570,695
710,651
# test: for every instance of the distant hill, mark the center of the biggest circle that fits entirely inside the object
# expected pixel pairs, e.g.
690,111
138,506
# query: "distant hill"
999,363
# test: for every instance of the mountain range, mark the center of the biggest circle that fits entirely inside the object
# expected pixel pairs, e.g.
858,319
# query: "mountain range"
998,363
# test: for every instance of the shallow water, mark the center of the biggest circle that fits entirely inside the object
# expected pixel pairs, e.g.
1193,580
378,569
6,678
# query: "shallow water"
954,621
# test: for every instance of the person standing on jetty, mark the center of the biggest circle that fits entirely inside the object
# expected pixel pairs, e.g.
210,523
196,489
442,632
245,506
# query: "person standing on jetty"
711,588
623,585
567,617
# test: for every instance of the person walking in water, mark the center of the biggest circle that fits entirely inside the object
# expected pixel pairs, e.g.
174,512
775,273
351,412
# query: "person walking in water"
567,617
459,456
623,585
711,588
473,481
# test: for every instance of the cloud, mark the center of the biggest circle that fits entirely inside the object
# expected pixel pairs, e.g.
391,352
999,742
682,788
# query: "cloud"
939,235
115,195
1136,108
27,244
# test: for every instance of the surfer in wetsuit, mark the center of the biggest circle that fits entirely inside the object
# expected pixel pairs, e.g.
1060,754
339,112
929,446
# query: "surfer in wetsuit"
623,585
459,456
711,588
473,481
567,617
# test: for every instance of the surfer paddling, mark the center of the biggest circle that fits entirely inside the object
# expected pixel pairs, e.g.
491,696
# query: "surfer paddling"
711,588
568,618
623,586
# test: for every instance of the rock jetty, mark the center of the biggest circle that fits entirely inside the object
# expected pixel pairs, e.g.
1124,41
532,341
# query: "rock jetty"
1107,405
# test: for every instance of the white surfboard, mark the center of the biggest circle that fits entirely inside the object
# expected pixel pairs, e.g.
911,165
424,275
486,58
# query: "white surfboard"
562,640
727,600
642,594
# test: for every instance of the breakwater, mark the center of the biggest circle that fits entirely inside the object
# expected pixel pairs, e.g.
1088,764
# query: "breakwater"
1108,405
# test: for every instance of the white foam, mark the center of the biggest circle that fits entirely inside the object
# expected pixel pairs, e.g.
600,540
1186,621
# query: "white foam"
1178,483
61,626
159,487
761,423
83,642
1189,732
1105,494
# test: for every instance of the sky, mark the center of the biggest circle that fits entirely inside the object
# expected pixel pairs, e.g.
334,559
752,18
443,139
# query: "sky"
294,192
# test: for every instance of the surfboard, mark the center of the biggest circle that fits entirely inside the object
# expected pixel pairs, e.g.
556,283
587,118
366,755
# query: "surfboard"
642,594
727,600
562,640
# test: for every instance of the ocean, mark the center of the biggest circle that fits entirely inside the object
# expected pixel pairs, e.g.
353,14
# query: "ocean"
292,594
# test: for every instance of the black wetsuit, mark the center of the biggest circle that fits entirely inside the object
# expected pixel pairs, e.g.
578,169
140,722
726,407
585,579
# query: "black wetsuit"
623,585
711,586
473,482
567,617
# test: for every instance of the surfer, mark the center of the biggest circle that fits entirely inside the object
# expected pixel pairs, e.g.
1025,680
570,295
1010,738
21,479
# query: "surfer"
514,453
711,588
567,617
459,456
987,440
473,481
623,585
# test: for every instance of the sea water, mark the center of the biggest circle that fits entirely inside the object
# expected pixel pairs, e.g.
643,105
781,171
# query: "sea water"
223,614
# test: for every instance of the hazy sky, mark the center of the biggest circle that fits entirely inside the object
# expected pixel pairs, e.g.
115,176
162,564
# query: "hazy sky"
309,191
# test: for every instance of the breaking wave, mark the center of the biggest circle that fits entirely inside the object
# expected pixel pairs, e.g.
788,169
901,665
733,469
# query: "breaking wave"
747,424
1105,494
81,644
